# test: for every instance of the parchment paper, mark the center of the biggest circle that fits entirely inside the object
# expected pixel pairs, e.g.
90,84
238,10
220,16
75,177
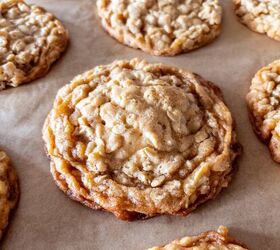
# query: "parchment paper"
47,219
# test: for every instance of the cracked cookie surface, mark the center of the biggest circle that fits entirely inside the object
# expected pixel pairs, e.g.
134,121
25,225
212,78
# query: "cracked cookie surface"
31,39
140,139
9,191
262,16
166,27
264,104
211,240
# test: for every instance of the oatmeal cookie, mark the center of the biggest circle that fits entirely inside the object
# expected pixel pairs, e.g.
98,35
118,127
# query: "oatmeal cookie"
140,139
211,240
264,105
166,27
9,191
31,39
262,16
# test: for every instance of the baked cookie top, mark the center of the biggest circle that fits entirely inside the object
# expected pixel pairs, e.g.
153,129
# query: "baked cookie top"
140,139
264,105
166,27
211,240
262,16
9,191
31,39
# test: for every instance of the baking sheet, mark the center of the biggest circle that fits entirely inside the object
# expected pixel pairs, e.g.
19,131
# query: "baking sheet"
47,219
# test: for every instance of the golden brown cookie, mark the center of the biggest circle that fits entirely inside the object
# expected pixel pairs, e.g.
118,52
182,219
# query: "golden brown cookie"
211,240
166,27
263,101
140,139
31,39
9,191
262,16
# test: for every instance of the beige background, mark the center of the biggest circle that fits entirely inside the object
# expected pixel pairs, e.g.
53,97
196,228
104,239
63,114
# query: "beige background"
47,219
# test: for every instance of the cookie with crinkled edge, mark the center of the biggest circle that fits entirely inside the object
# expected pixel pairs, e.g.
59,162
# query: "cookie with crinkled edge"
166,27
31,40
209,240
264,105
139,139
261,16
9,191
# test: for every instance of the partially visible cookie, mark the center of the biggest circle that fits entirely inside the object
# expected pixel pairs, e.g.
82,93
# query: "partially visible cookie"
165,27
211,240
262,16
264,105
31,39
9,191
140,139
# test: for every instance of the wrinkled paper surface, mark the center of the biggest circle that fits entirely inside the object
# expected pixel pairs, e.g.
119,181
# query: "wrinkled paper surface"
47,219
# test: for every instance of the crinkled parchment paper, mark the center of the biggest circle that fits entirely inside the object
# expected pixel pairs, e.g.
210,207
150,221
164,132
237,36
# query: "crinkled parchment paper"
47,219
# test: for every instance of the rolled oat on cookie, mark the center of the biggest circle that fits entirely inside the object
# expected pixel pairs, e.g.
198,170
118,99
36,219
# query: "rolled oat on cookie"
165,27
9,191
211,240
262,16
264,105
139,139
31,40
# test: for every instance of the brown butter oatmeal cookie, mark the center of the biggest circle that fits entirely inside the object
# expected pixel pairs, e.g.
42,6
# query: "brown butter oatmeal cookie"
9,191
140,139
263,101
210,240
165,27
262,16
31,39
